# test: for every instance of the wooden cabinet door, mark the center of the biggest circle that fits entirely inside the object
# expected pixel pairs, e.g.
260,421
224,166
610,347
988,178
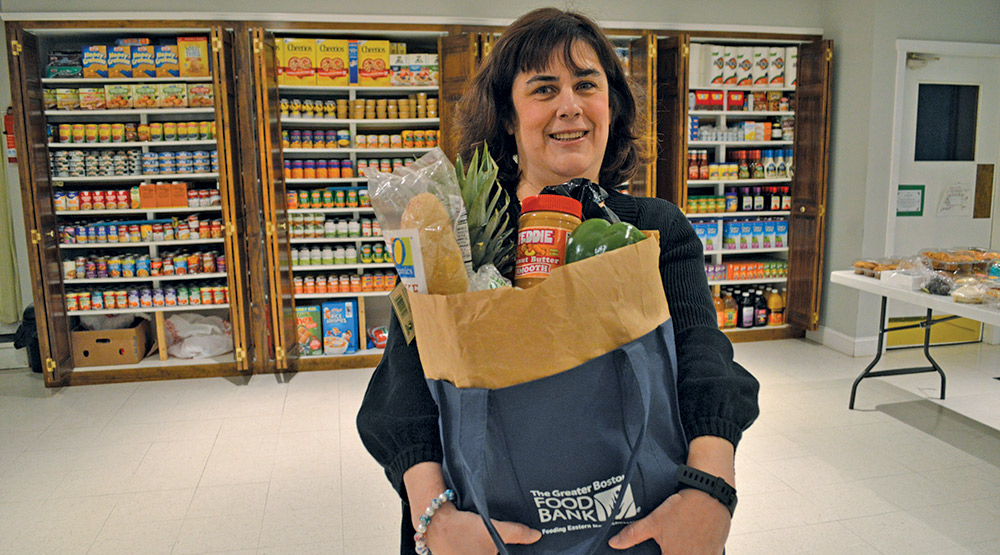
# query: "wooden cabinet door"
671,116
642,68
807,222
52,320
459,55
233,197
281,292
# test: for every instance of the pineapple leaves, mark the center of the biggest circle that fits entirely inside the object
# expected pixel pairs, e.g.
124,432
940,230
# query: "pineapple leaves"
486,204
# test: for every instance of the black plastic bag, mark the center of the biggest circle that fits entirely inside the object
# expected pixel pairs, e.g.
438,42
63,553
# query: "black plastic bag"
590,195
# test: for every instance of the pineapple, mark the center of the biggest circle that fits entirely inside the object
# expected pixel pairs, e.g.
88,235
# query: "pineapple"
490,231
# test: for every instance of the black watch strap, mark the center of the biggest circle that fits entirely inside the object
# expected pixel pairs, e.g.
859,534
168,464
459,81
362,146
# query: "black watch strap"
712,485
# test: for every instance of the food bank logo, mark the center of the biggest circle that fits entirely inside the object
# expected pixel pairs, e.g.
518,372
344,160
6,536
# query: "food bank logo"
589,504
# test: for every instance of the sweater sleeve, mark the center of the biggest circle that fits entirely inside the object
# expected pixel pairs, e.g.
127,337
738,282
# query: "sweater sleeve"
717,396
398,420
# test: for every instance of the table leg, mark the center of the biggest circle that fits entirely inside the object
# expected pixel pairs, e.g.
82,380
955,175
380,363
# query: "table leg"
927,349
878,354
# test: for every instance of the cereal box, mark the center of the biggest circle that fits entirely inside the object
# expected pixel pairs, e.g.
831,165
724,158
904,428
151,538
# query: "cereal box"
92,98
331,63
118,96
299,62
143,62
120,62
166,61
308,330
340,327
145,95
67,99
372,63
192,56
95,62
200,95
402,73
279,57
173,95
427,74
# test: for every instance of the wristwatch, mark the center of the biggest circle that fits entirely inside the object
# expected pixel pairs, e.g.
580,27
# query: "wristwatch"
712,485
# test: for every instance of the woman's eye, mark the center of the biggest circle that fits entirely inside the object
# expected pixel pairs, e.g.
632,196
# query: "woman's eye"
587,85
544,89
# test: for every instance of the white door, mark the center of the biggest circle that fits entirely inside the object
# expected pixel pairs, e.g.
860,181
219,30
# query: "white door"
949,131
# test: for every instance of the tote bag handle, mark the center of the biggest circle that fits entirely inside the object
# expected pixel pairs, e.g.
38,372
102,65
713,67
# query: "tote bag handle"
634,355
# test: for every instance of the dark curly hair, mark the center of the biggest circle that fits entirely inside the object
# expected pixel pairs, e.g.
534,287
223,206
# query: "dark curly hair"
486,111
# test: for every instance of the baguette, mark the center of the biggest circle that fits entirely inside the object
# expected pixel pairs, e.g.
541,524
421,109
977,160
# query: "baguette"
444,267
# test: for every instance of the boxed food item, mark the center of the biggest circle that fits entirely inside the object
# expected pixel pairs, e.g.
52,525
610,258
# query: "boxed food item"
131,42
120,62
108,347
147,195
712,236
173,95
340,327
298,60
767,241
402,73
143,62
369,60
145,95
200,95
92,98
781,234
163,194
192,56
67,99
427,74
50,99
178,195
95,62
118,96
331,63
166,61
308,329
64,65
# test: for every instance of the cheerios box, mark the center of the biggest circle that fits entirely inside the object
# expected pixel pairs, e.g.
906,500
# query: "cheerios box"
331,63
309,330
369,60
298,60
340,327
166,61
192,56
95,62
120,62
143,62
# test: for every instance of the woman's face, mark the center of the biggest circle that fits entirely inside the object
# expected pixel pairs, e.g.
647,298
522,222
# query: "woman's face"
562,119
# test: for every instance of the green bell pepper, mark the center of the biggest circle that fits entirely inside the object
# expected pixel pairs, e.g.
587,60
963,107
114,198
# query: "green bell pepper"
596,236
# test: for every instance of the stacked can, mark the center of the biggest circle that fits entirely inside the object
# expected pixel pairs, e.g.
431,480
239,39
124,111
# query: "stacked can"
150,163
139,298
68,163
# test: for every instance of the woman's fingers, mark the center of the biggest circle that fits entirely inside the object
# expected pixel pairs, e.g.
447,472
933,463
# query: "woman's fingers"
516,533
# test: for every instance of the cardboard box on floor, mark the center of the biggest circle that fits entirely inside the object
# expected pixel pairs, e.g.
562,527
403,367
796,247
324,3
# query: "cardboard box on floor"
109,347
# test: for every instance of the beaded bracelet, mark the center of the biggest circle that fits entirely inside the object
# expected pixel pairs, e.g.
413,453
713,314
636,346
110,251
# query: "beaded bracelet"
425,520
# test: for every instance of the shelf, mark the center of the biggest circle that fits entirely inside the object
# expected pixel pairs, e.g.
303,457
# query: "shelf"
738,181
135,80
746,251
377,239
134,144
699,216
183,308
734,114
321,181
129,112
373,151
360,123
137,211
744,88
365,209
354,354
323,267
128,244
341,295
741,143
214,275
135,178
153,361
402,90
747,281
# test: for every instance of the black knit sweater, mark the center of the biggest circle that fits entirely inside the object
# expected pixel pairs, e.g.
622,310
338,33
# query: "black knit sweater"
718,397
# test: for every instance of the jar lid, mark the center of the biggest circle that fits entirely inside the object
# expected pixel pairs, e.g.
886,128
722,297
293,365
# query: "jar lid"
552,203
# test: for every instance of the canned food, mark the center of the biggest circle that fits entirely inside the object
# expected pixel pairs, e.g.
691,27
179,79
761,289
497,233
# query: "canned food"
180,265
367,283
156,132
83,299
121,299
146,298
182,296
207,295
216,229
378,253
355,283
366,254
72,301
118,132
158,299
352,198
169,131
208,262
194,295
205,130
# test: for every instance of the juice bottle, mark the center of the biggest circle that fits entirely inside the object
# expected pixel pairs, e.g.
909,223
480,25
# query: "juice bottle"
731,309
761,312
720,311
744,168
746,313
777,307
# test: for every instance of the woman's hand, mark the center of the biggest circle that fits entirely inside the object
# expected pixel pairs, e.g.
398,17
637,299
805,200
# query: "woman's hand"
689,522
463,533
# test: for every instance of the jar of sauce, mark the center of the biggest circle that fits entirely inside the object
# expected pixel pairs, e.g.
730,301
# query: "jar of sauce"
543,228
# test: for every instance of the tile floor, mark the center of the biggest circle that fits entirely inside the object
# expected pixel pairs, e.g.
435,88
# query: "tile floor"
273,466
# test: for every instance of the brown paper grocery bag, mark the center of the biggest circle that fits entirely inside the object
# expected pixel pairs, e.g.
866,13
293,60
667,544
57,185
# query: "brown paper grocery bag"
503,337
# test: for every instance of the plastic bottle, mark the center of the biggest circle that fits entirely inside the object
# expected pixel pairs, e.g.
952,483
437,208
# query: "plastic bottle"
756,169
746,313
770,169
744,167
720,311
758,199
731,310
788,163
777,307
761,312
781,170
746,199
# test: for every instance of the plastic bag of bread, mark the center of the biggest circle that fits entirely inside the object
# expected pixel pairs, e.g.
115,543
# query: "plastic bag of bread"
423,220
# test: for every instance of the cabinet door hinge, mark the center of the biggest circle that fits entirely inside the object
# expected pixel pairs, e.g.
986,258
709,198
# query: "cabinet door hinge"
686,51
50,365
241,355
280,355
15,47
35,237
815,318
829,54
257,45
216,44
230,228
269,229
822,210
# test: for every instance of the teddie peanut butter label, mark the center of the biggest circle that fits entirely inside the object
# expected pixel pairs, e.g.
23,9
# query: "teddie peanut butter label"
539,251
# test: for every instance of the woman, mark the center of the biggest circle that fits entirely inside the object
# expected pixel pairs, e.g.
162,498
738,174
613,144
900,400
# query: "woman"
553,104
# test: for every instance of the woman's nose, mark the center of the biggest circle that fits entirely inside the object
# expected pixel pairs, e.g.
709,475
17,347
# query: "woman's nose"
569,105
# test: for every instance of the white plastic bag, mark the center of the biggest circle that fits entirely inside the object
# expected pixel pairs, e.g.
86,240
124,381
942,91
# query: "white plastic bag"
196,336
